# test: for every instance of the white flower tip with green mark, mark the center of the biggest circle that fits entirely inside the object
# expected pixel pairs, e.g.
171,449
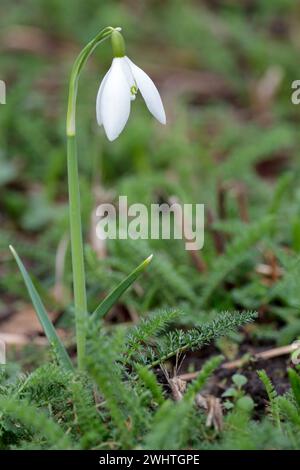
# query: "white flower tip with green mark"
117,89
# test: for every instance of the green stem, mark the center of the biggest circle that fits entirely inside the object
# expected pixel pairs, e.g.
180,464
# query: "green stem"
75,74
79,286
77,250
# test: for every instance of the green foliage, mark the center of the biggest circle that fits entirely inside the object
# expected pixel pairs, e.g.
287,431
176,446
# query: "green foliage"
241,433
272,396
102,366
169,426
180,341
240,401
229,145
37,422
171,423
206,371
285,408
150,381
295,385
147,329
88,422
120,403
235,254
289,411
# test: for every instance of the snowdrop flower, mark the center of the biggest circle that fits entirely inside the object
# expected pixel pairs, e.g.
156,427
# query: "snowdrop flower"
119,87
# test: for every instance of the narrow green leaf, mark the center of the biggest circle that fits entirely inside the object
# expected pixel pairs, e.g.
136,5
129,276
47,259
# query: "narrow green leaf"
114,296
46,323
295,384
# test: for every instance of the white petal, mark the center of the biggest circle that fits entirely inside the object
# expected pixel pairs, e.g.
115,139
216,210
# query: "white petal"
149,92
130,79
98,100
115,100
127,72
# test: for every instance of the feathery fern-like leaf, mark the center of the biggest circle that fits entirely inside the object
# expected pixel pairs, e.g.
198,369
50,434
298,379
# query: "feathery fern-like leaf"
37,421
179,341
272,395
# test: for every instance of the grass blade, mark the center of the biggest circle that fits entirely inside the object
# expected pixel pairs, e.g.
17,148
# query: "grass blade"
46,323
114,296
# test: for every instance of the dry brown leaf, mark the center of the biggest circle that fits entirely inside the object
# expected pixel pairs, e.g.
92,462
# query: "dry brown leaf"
23,322
213,408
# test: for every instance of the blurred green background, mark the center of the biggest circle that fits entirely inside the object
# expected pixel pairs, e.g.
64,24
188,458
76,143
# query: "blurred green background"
224,69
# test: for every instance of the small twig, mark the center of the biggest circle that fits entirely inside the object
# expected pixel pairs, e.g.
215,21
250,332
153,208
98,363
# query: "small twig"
269,354
267,270
217,235
21,339
195,255
221,198
177,385
241,197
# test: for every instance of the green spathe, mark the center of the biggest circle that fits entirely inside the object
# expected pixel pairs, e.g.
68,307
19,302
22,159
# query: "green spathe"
118,43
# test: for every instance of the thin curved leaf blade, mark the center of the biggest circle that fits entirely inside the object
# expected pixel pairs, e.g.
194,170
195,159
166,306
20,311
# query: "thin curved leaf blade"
114,296
45,321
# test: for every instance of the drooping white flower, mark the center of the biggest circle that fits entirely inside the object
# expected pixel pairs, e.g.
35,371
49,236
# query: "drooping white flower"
118,88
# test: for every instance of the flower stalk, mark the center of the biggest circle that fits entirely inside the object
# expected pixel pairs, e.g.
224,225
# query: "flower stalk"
79,284
75,74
